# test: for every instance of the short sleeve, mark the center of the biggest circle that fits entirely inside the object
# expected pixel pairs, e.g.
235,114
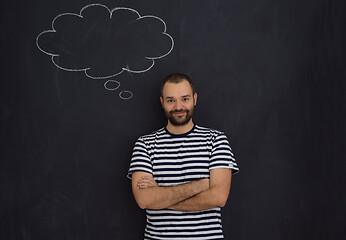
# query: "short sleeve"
222,155
140,160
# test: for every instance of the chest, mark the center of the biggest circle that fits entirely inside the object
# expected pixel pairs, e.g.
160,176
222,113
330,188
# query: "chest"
178,162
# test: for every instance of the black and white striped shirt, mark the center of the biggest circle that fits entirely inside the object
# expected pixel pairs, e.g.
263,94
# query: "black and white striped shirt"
177,159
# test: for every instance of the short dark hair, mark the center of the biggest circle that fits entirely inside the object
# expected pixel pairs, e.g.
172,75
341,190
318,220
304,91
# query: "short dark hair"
177,78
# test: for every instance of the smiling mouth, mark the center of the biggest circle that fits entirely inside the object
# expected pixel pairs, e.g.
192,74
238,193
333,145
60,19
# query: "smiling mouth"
179,113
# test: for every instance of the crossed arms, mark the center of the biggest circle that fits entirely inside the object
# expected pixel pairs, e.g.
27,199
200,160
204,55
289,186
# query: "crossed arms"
194,196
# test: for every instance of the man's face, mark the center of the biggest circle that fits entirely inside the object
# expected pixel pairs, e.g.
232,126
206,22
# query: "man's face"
178,102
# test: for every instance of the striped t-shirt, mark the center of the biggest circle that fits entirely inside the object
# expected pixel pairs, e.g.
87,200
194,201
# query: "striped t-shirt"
177,159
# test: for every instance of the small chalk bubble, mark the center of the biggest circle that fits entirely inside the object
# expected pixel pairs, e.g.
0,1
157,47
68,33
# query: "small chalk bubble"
112,85
125,95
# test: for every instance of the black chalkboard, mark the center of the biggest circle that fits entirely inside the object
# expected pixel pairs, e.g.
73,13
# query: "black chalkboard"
80,82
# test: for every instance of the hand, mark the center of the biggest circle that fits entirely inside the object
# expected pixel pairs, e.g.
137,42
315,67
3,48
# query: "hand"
146,182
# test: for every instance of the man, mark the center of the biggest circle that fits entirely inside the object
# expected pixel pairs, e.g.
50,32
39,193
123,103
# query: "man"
181,174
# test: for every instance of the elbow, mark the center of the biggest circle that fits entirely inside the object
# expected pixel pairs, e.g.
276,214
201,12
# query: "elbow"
142,206
142,198
147,203
222,203
146,199
222,200
142,203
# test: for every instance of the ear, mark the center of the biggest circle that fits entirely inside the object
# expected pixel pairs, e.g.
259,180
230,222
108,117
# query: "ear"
161,100
195,98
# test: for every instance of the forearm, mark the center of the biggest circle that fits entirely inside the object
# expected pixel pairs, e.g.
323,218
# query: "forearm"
165,197
215,196
208,199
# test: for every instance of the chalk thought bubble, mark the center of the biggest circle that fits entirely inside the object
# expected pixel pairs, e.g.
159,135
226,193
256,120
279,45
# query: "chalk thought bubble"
105,42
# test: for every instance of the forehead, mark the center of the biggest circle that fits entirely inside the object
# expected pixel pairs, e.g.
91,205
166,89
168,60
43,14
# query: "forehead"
171,89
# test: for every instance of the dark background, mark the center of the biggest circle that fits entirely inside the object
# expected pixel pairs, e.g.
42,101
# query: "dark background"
269,73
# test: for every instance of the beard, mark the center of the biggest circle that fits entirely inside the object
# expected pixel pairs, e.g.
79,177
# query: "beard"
180,120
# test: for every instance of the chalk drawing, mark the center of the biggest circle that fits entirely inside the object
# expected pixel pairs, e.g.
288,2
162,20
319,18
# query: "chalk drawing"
103,43
109,83
125,95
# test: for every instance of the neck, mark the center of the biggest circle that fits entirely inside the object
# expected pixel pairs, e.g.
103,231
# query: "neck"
179,129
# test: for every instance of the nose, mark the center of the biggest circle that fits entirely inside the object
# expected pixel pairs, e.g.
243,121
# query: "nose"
178,105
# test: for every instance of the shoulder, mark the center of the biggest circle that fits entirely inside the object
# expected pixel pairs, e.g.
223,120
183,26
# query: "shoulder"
152,136
208,131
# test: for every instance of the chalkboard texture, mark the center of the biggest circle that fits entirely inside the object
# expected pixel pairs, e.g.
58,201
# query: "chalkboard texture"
80,82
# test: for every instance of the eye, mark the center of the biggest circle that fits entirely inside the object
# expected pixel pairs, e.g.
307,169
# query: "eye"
185,99
170,100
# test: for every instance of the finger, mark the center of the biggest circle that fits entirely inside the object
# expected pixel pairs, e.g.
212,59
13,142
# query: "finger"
147,177
146,184
146,180
143,181
143,186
